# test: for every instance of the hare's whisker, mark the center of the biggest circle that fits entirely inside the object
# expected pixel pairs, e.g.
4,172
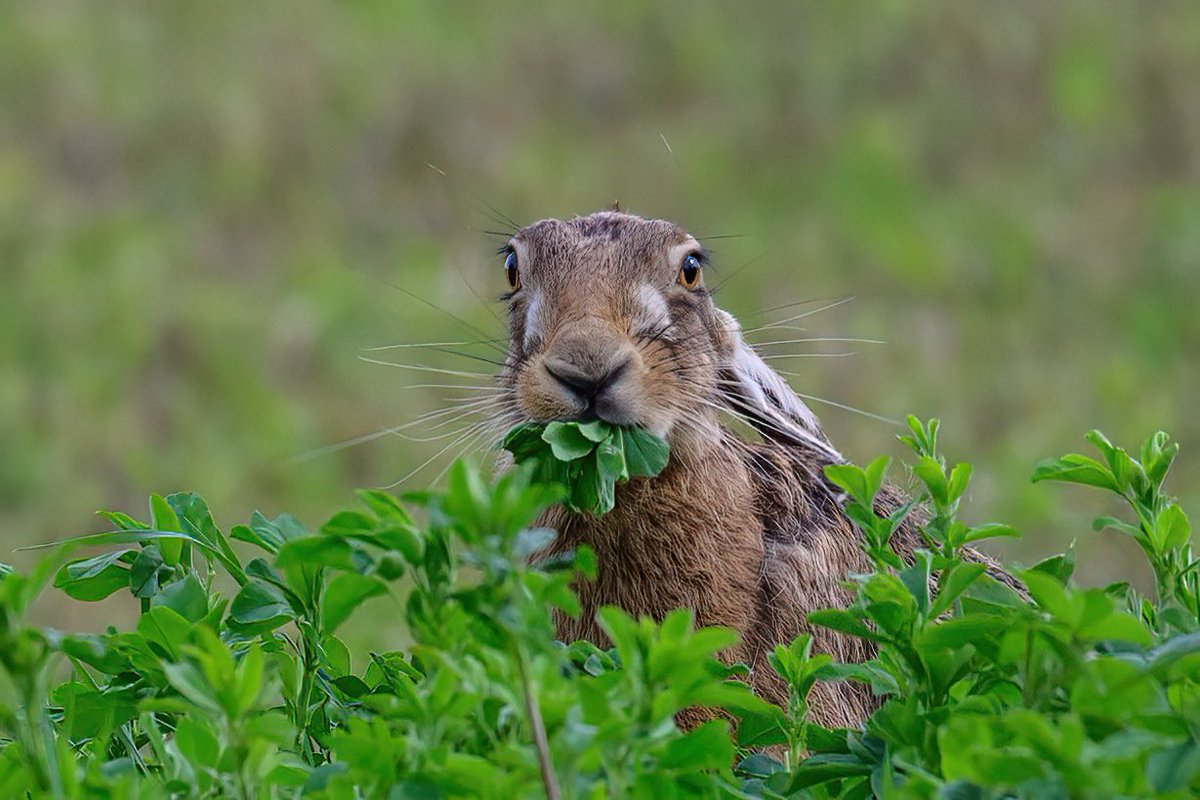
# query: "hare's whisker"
795,317
477,331
438,437
820,339
466,408
810,301
427,462
475,387
753,331
489,307
423,368
406,346
725,279
845,407
495,214
778,356
471,444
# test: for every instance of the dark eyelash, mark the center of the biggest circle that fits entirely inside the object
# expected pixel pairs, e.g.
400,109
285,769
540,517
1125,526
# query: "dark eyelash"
506,296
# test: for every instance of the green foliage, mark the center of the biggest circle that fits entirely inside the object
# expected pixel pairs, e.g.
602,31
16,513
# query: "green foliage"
254,695
988,688
588,458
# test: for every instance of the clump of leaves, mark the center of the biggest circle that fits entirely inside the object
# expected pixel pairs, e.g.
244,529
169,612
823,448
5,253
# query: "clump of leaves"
988,692
257,695
589,459
985,690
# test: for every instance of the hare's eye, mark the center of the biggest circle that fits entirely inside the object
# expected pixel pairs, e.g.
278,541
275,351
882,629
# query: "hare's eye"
511,272
690,271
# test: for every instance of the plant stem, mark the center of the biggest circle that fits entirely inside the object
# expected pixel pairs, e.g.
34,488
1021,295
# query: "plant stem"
549,779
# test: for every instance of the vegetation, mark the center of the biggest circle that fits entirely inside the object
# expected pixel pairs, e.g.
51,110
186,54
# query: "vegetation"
588,458
985,692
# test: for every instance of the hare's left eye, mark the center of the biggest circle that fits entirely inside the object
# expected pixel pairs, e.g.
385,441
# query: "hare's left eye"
511,272
690,272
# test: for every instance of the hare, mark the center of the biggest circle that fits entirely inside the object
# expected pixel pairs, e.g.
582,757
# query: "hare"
609,317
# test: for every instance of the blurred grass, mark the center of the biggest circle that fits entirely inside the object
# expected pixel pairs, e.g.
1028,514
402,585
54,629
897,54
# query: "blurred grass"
205,210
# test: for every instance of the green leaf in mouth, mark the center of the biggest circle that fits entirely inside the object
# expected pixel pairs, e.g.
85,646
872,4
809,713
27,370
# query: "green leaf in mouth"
588,458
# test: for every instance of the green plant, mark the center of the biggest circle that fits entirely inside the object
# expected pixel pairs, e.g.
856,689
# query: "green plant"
234,681
256,696
587,458
987,693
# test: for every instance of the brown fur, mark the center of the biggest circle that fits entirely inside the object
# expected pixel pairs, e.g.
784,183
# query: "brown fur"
746,534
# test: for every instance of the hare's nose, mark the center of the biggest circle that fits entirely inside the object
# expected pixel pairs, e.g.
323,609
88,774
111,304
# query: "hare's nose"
588,385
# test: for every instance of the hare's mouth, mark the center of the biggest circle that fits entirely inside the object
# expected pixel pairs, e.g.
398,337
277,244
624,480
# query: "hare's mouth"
603,394
608,388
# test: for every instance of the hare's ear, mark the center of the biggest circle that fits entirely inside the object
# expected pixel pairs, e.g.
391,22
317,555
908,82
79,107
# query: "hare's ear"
757,393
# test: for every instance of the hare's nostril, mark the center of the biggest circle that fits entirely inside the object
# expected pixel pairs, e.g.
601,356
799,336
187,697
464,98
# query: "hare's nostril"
585,384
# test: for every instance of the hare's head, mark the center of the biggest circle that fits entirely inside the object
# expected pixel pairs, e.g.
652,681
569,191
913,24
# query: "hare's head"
610,317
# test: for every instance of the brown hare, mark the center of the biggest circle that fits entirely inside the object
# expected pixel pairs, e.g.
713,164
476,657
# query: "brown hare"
609,317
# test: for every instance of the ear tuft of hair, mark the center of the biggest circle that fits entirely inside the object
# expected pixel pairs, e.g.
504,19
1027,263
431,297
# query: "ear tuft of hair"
751,389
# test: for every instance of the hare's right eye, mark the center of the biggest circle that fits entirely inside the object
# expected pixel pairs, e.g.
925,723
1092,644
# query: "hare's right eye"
511,272
690,272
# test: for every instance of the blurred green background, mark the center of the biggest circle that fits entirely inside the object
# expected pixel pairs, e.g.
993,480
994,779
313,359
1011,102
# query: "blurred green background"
206,208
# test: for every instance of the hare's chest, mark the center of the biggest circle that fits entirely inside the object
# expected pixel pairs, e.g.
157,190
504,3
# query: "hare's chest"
709,562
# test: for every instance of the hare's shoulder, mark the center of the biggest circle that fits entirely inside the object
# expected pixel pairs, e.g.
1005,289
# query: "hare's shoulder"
794,502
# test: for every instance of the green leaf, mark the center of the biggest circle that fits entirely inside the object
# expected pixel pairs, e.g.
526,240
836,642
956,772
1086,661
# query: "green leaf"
348,523
197,741
646,455
1076,469
189,682
952,583
123,522
851,479
346,592
1061,567
404,539
1174,768
990,530
317,551
705,747
931,474
95,578
385,506
1158,453
260,607
165,519
566,441
762,730
270,535
166,629
186,597
843,621
960,476
1172,529
144,573
596,430
827,767
954,633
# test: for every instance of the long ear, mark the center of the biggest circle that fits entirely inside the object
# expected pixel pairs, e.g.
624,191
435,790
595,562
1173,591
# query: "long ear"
754,391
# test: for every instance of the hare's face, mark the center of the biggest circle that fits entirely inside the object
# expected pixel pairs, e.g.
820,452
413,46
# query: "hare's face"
609,318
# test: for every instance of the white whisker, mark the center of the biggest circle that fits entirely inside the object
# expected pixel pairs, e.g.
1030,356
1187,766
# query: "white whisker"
378,348
423,368
845,407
